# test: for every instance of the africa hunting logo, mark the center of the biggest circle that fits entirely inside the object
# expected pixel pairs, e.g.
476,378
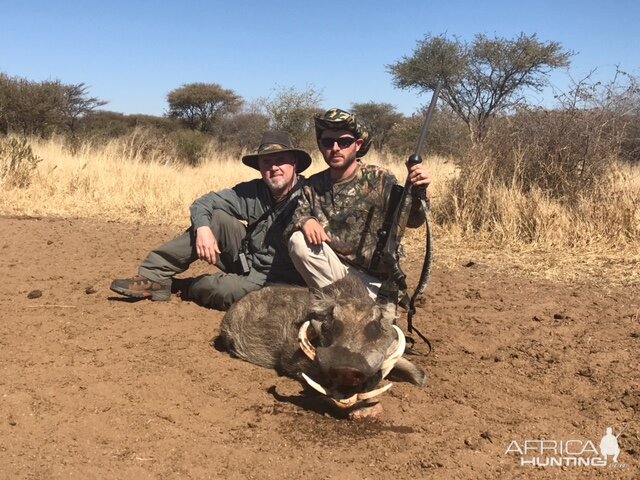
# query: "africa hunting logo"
568,453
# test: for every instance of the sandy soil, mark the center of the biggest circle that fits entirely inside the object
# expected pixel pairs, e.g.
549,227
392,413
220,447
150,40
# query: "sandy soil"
95,386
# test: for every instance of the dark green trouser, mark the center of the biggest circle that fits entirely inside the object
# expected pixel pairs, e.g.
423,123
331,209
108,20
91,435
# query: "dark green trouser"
217,291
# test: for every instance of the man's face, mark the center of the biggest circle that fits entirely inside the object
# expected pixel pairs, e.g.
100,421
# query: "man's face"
339,148
278,170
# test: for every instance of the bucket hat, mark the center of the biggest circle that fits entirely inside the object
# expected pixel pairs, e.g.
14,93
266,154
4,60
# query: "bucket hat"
275,141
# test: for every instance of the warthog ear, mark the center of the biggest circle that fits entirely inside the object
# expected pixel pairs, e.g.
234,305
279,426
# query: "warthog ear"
316,326
321,306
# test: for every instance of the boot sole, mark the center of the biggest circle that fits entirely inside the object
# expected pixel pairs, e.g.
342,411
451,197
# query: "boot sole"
153,296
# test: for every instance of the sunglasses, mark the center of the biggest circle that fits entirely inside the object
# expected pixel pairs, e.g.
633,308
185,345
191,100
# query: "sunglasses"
343,142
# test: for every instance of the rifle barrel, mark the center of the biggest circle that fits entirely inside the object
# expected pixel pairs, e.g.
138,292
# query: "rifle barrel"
427,120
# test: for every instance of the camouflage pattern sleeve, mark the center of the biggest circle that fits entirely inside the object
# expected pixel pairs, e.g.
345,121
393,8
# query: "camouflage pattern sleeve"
309,205
351,211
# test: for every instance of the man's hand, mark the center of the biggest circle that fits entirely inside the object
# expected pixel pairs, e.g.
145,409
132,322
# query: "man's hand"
206,245
314,233
419,176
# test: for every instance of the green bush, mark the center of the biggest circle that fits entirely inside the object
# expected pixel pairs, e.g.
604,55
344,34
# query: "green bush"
189,146
17,162
565,153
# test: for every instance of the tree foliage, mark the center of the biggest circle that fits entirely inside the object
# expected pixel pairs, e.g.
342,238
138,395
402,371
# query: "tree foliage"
448,135
380,118
292,110
77,103
242,131
482,78
42,108
201,105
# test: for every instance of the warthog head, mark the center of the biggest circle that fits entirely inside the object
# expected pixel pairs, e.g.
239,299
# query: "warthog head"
352,340
337,340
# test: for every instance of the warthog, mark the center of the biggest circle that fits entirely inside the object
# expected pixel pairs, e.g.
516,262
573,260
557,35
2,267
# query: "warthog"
338,339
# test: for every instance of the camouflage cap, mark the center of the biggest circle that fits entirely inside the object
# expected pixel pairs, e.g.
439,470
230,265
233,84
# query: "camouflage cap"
336,119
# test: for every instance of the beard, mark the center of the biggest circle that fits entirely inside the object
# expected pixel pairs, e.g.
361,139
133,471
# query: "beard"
340,162
279,185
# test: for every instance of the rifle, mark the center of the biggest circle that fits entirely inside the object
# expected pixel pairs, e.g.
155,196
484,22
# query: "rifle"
386,257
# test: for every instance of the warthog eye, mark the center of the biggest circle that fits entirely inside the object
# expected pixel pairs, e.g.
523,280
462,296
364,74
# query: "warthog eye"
373,330
337,327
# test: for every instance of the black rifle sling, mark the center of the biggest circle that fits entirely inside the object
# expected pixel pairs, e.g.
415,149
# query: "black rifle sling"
424,274
278,208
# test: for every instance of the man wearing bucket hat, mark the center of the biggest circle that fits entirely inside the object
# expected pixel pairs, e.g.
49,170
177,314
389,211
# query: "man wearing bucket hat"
334,229
248,256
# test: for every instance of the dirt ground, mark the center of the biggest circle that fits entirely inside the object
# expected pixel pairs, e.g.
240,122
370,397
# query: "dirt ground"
96,386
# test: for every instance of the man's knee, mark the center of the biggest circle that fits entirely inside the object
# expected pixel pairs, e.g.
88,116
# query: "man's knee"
220,217
298,245
220,291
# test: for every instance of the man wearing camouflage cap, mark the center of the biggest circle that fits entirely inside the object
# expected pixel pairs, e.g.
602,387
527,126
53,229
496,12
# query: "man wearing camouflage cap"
334,229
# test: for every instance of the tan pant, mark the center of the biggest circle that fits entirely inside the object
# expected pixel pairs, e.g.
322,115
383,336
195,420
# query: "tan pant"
319,265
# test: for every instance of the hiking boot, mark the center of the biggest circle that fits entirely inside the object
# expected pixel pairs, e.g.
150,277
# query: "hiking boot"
181,286
141,287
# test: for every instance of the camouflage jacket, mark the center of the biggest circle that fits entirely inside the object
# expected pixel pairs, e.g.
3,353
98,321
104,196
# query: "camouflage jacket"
351,211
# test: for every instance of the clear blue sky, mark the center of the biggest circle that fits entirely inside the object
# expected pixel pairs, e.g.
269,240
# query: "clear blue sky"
132,53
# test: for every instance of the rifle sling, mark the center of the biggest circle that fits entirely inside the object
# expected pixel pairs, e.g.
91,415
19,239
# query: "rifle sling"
424,276
277,208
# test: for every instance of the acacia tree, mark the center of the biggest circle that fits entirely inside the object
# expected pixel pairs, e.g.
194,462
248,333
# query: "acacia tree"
202,105
40,108
77,103
31,108
292,110
482,78
380,118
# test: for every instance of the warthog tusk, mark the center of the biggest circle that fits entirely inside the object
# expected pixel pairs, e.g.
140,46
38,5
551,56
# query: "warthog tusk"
374,393
315,385
391,361
346,402
361,397
352,400
305,345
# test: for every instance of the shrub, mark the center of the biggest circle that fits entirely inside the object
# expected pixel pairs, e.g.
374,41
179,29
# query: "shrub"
189,146
565,153
17,162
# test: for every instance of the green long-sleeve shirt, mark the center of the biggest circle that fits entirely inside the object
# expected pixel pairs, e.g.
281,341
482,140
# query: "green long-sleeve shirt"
267,249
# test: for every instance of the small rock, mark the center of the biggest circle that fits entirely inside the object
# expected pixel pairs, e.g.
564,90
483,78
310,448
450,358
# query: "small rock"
585,372
560,316
34,294
487,436
49,242
471,264
90,290
471,443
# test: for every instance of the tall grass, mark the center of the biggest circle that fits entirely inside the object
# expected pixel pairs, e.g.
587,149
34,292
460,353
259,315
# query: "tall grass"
476,205
471,213
119,182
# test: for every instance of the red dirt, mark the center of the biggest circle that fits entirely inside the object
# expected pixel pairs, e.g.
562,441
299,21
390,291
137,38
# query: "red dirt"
96,386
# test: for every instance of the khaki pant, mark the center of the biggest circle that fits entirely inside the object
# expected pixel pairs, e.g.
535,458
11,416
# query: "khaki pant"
319,265
217,291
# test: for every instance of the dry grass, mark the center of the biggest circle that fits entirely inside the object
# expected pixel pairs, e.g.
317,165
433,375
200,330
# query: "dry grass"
597,240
